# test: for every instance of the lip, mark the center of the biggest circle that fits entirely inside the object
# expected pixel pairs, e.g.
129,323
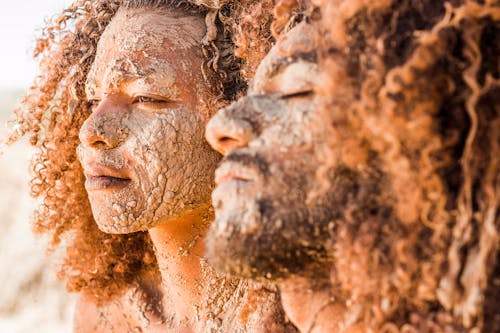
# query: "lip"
232,180
94,183
231,171
99,177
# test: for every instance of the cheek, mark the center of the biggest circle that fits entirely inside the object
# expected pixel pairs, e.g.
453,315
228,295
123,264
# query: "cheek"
288,147
153,134
81,154
293,174
172,147
287,139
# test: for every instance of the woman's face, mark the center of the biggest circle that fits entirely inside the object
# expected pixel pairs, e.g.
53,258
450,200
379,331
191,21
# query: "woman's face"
142,148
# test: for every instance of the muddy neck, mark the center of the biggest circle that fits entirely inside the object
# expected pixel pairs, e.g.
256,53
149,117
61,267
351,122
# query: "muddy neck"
310,305
179,249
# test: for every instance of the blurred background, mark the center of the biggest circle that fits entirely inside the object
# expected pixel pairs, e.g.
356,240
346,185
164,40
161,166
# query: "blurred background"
31,298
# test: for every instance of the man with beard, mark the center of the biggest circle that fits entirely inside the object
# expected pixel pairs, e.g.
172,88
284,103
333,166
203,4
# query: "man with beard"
361,171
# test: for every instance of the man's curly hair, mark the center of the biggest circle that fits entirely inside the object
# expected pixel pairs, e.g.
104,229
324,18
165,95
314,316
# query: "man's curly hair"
413,94
53,110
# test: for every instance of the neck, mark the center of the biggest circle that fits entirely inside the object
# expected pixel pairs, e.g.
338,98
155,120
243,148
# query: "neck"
311,305
179,249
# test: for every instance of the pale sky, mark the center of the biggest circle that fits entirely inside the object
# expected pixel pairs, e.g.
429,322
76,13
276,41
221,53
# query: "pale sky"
19,22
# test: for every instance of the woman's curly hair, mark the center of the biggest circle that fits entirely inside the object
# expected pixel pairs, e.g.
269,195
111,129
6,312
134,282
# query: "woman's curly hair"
413,94
54,108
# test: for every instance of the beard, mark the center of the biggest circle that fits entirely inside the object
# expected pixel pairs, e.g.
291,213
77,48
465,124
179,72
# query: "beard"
277,235
271,239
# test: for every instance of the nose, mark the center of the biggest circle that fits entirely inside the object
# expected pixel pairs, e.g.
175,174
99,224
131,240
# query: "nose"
226,132
104,128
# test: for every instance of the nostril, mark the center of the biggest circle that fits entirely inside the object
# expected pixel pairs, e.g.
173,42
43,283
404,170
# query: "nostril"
227,143
99,144
226,134
105,127
96,140
226,139
95,135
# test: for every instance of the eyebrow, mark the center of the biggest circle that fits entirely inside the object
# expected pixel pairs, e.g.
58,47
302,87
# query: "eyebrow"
121,78
278,66
125,76
167,89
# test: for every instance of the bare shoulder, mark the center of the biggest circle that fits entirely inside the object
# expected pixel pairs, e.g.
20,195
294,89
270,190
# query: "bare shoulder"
138,309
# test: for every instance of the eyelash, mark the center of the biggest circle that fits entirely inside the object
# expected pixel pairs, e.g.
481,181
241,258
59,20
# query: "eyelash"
300,94
93,103
147,99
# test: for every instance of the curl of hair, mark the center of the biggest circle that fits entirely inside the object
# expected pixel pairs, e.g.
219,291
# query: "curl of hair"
287,13
252,35
413,93
52,112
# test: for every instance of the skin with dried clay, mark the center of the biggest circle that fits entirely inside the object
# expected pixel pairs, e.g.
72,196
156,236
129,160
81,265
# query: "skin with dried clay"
364,188
144,157
148,167
121,169
142,148
263,183
145,160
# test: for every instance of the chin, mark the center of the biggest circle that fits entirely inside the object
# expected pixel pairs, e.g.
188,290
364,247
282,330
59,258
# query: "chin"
109,225
270,250
125,222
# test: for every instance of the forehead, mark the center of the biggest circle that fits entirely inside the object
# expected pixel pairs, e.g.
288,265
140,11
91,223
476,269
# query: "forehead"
298,45
136,29
139,42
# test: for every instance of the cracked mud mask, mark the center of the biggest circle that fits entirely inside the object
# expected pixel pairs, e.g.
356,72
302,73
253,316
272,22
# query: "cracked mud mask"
142,148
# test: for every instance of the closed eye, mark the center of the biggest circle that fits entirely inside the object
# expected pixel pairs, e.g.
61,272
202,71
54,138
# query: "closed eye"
151,102
92,104
298,94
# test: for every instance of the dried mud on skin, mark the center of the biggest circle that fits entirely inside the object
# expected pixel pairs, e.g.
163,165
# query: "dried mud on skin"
170,163
415,129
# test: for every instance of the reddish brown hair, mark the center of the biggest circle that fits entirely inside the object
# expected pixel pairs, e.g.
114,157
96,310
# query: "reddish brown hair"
413,94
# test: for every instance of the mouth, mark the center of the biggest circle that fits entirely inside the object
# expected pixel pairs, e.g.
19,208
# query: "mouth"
232,181
94,183
230,171
99,177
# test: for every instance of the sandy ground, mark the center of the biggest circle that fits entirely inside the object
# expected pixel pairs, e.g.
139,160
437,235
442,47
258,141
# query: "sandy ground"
31,298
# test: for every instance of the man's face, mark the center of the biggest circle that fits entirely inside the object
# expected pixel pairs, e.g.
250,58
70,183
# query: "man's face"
268,222
142,148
